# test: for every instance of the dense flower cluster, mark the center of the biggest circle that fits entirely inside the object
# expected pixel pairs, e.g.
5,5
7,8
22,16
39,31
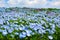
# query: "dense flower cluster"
27,24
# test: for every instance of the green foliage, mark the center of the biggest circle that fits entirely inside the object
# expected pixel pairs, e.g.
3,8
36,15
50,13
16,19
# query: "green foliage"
19,22
57,33
35,11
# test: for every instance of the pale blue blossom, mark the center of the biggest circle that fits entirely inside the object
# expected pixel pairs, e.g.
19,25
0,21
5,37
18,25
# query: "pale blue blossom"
10,30
1,21
22,35
16,33
28,32
50,37
4,32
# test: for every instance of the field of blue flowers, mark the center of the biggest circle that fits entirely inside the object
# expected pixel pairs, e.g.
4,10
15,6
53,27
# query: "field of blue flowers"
25,25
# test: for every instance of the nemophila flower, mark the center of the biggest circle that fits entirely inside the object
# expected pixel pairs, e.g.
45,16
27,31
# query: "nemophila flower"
32,25
22,35
10,30
41,31
53,26
28,32
48,19
50,31
38,26
7,23
50,37
1,21
42,22
1,30
16,28
16,33
56,20
21,28
4,32
6,27
14,25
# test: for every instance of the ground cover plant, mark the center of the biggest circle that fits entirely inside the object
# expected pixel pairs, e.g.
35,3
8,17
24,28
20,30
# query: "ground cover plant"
29,24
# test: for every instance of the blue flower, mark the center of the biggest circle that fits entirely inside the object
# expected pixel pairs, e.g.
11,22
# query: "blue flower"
1,21
28,32
4,32
50,37
16,33
22,35
10,30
